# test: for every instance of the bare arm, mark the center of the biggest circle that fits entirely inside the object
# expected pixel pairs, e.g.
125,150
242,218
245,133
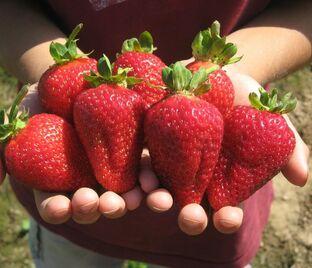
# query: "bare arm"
25,37
275,43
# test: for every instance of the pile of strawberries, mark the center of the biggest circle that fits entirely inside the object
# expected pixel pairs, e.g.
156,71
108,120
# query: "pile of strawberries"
99,117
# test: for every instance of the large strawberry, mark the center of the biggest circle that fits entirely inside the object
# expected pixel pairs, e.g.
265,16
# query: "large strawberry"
109,121
62,82
257,144
44,152
184,135
210,50
137,54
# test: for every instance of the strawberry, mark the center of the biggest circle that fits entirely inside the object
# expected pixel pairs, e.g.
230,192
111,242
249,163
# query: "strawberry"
184,135
137,54
211,51
109,121
44,152
62,82
257,143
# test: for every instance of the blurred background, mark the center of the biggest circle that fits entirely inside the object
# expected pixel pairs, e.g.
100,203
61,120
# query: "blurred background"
287,240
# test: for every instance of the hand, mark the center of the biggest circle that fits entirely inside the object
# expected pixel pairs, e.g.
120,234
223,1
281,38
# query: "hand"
192,218
85,206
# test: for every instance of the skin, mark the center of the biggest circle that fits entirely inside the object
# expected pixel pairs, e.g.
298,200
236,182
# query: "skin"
27,57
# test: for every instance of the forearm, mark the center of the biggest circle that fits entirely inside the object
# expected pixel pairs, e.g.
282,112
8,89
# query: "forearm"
25,37
275,43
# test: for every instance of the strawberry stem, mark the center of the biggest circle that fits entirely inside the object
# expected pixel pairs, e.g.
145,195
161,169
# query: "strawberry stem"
269,101
179,79
143,44
208,45
105,75
15,122
63,53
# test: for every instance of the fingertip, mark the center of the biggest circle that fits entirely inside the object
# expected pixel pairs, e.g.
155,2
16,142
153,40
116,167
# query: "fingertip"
193,219
228,219
85,202
133,198
159,200
55,209
112,205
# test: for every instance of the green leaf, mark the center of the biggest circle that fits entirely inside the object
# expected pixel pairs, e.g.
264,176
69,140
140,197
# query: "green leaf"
146,42
130,45
198,78
72,49
181,77
167,76
104,67
131,81
215,29
14,108
255,101
74,33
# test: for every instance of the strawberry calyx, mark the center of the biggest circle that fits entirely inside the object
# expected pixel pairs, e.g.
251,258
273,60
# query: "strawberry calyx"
181,80
105,75
12,122
142,44
269,101
63,53
208,45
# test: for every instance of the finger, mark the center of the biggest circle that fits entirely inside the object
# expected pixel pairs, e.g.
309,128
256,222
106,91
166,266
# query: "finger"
297,170
53,208
112,205
133,198
147,177
228,219
159,200
85,204
193,219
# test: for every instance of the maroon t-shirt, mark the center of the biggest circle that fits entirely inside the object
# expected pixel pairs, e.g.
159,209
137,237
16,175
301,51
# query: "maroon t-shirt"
142,234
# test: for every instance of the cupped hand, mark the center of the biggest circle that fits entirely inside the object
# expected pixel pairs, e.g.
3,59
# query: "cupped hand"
192,219
85,206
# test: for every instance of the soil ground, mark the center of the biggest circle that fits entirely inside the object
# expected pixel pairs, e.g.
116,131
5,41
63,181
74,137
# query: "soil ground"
287,240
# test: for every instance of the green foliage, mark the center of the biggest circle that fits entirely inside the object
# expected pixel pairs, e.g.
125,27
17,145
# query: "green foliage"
180,79
105,75
144,44
208,45
269,101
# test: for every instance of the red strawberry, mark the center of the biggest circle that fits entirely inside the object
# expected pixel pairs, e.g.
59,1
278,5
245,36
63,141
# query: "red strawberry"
62,82
211,51
109,121
257,144
137,54
184,135
44,152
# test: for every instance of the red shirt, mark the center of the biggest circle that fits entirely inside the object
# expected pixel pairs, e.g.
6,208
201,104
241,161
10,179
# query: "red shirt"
142,234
